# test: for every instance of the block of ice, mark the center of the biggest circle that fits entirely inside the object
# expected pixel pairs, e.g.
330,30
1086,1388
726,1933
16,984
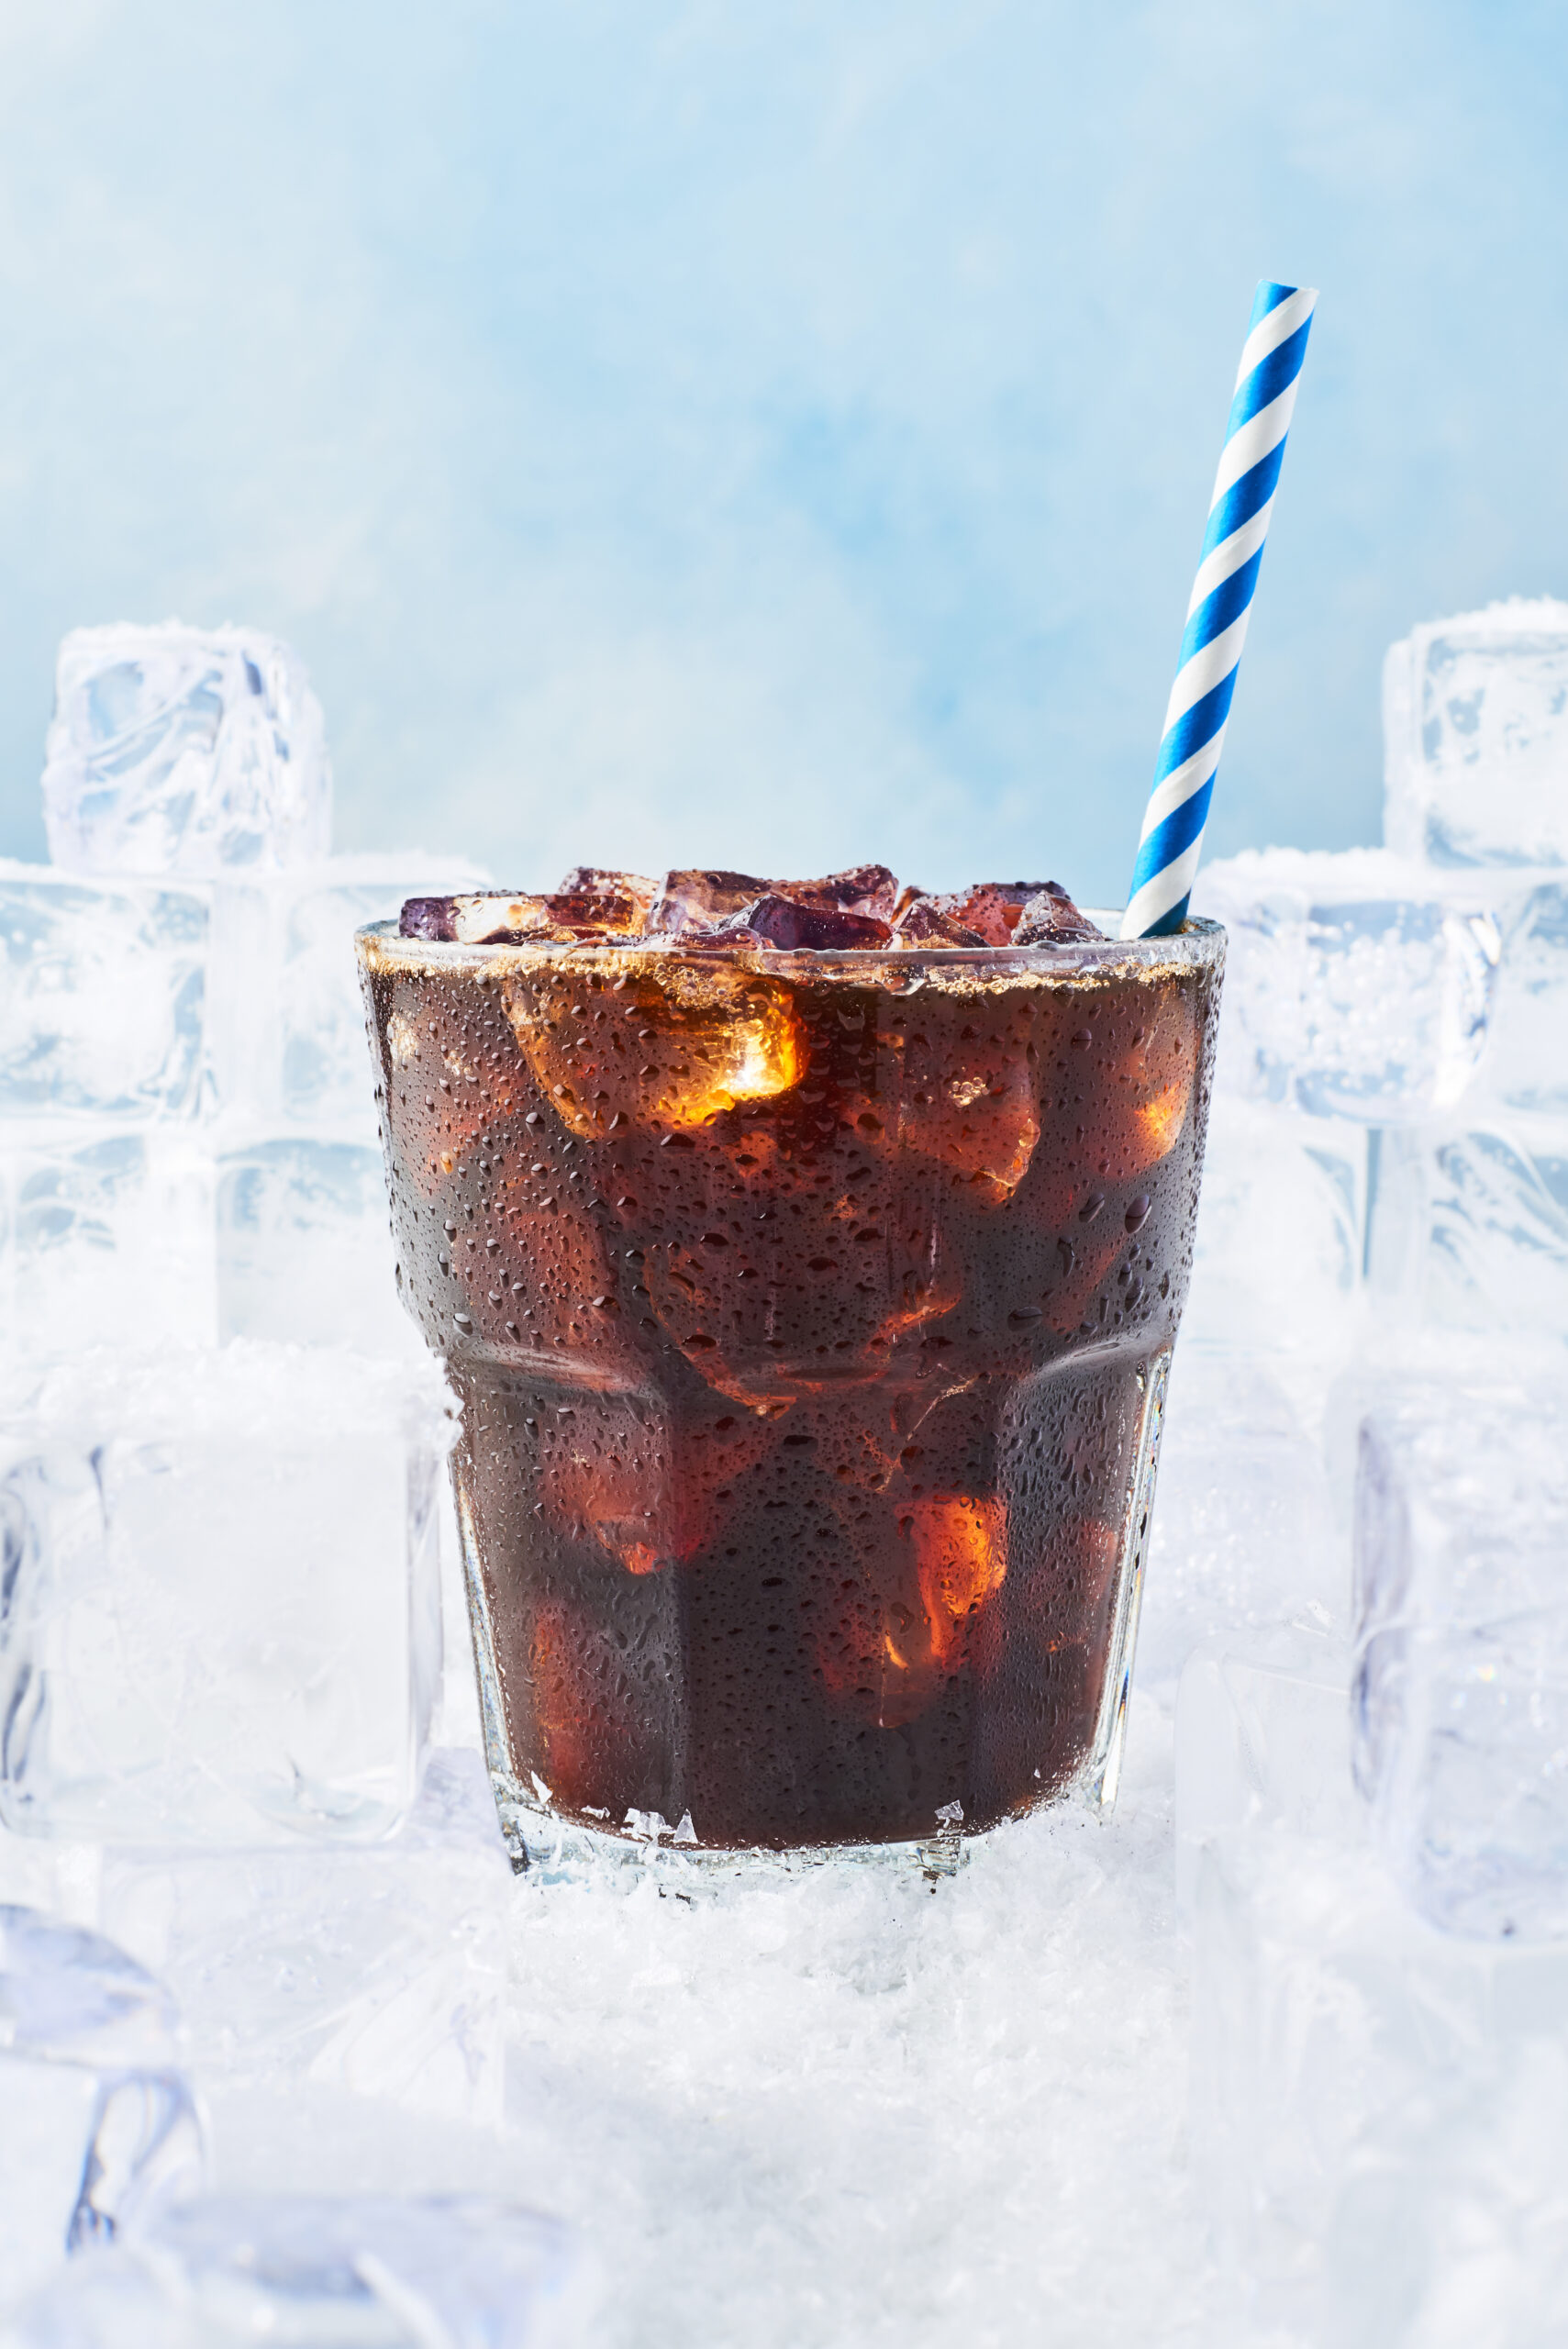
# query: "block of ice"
1452,2220
1356,986
1475,738
287,1021
102,997
1461,1645
451,2272
220,1618
304,1247
96,2120
378,1969
1263,1741
1468,1225
183,749
1323,2005
1241,1529
1527,1065
1281,1234
105,1240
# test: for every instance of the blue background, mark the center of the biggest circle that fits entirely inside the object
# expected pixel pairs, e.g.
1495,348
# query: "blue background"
774,434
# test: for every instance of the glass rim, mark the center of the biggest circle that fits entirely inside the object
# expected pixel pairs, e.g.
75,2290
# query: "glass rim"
1199,945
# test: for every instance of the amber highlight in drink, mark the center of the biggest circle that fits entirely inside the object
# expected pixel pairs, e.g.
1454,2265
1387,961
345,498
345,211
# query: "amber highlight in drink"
809,1313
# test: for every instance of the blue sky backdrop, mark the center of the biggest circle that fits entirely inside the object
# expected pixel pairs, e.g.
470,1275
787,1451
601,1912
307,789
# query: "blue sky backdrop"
774,434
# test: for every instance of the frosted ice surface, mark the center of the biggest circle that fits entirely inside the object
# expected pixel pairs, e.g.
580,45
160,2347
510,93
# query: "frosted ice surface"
1264,1740
97,2122
1462,1633
458,2272
1468,1225
304,1248
221,1618
102,998
1281,1234
378,1969
1242,1527
836,2108
105,1239
1356,986
183,749
1475,738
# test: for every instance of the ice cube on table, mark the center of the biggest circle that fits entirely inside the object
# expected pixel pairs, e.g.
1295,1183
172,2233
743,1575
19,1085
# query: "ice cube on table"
304,1247
1242,1527
221,1622
372,2271
1356,986
96,2119
103,997
378,1969
1468,1225
1462,1645
1475,738
183,749
105,1239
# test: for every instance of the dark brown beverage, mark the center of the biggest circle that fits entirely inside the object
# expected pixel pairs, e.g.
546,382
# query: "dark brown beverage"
809,1311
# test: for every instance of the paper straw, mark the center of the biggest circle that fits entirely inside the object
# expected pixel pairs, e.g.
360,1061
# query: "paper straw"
1222,593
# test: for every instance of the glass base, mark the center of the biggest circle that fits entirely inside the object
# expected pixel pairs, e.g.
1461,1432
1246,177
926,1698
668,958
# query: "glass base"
540,1841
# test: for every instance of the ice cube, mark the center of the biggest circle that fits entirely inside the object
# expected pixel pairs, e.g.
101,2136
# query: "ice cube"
869,889
103,1004
221,1620
1475,738
493,916
670,1045
1242,1529
183,749
1468,1225
599,880
1527,1061
304,1252
378,1969
1348,2061
924,923
1281,1235
1451,2217
1356,986
1321,2005
979,1116
287,1044
98,2121
110,1241
1263,1739
701,901
449,2272
692,900
788,924
1050,917
1462,1644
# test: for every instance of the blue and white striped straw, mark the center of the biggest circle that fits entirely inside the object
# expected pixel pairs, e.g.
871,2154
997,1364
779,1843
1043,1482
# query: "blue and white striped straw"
1199,705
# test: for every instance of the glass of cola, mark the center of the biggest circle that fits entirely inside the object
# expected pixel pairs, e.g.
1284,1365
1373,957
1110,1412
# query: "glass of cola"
807,1258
